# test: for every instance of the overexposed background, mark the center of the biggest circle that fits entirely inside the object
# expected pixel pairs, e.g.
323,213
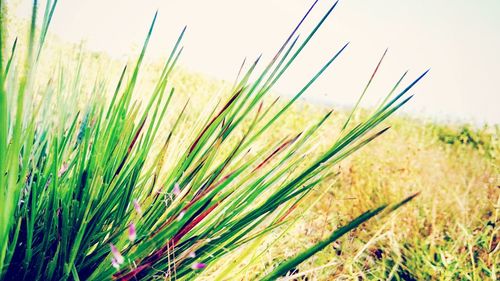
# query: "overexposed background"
459,41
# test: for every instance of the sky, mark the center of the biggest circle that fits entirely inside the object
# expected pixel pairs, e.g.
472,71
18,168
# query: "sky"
458,40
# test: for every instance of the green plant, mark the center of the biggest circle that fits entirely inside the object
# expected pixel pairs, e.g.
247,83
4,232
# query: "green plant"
484,140
85,195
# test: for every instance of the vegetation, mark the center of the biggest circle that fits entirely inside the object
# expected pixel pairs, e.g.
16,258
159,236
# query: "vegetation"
449,232
149,178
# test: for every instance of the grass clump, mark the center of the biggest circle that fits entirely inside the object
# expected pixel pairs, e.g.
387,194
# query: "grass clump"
112,186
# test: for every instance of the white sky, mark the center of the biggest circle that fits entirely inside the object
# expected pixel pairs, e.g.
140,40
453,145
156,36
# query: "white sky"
459,40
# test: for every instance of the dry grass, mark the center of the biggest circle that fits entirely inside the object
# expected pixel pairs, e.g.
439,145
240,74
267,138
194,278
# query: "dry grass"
449,232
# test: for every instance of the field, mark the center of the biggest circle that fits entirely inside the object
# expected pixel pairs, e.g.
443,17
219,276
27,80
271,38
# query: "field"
449,231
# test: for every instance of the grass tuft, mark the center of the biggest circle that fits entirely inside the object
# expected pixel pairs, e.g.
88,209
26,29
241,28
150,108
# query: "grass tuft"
120,184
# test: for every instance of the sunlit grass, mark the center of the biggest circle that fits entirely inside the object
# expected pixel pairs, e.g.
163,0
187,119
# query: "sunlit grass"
213,180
